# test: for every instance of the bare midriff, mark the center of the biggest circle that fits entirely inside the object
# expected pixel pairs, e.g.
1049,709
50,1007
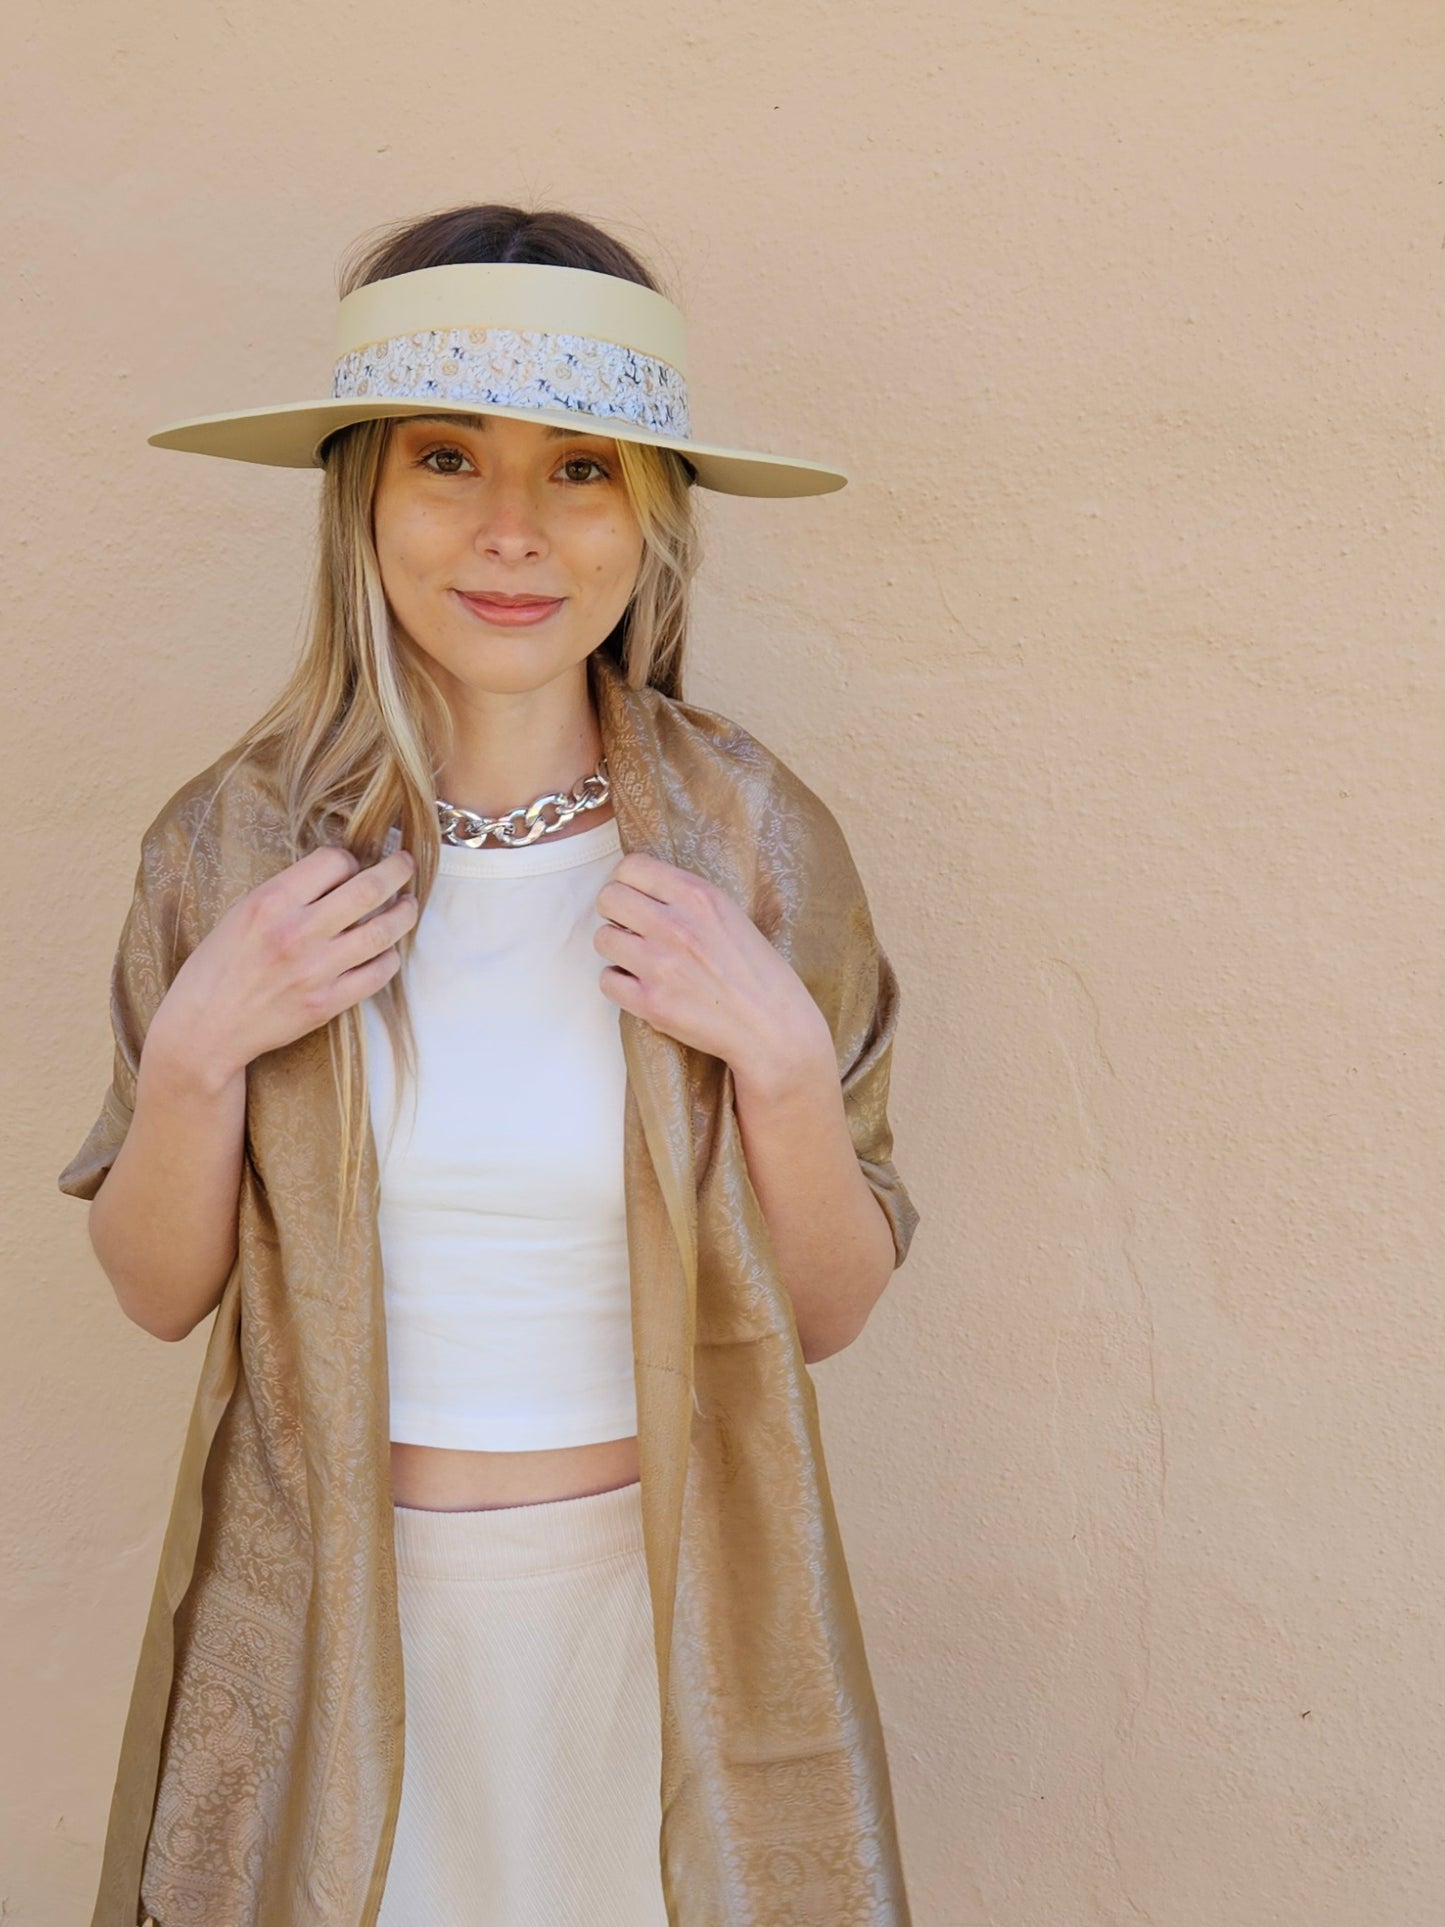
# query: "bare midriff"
439,1479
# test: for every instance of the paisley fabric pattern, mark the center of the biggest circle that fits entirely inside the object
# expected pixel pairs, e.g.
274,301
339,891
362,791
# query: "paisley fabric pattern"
260,1768
519,368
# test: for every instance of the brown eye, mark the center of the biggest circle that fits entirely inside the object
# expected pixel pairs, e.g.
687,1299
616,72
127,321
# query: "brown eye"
443,452
587,461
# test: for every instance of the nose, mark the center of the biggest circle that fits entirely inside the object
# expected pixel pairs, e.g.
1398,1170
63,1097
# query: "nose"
510,525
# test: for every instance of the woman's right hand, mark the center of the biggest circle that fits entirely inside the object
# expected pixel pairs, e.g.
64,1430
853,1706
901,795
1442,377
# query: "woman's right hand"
286,958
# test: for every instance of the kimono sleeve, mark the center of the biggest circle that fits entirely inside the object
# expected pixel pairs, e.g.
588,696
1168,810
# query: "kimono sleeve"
836,951
868,1054
146,961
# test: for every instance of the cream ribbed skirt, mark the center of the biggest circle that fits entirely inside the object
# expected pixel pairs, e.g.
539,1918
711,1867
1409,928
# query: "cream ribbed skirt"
531,1779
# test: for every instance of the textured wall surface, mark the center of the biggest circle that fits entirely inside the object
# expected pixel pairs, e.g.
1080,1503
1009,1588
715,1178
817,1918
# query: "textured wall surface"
1120,662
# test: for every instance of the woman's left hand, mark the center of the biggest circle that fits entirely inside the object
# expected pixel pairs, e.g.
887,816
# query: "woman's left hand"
691,962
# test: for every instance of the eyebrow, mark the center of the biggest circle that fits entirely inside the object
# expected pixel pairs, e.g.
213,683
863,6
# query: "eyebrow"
480,422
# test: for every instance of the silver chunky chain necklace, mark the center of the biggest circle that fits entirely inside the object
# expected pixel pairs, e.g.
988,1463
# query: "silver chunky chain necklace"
524,825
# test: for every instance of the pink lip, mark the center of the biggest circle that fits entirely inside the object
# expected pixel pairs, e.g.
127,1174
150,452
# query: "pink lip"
510,615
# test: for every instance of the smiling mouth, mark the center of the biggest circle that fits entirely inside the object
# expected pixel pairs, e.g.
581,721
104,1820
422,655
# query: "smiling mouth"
508,601
511,613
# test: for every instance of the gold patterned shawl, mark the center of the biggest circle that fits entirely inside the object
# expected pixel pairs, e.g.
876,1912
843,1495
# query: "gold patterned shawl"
260,1769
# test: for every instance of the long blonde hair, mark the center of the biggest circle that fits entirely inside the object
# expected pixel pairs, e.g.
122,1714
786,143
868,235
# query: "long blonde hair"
361,728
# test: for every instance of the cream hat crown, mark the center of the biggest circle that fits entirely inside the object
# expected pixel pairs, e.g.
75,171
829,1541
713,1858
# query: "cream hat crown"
561,346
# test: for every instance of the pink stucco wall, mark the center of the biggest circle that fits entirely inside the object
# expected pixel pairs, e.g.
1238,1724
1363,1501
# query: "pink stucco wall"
1119,660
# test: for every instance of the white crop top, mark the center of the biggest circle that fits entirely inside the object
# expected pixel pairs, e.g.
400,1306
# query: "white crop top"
501,1218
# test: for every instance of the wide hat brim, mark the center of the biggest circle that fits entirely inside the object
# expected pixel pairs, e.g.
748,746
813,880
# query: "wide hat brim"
290,436
564,347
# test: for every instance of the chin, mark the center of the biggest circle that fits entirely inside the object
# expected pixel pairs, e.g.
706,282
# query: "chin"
509,665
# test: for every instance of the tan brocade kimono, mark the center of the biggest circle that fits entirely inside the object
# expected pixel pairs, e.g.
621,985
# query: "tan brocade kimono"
260,1769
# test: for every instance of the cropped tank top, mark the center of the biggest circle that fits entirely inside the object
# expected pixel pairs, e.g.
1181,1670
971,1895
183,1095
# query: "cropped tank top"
501,1215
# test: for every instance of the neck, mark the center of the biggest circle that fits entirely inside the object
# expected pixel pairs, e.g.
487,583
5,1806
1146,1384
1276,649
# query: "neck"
511,747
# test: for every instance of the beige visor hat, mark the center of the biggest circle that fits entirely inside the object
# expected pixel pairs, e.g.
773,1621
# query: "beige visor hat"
562,346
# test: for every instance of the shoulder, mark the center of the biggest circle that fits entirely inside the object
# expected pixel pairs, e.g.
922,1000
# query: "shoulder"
703,747
746,817
215,836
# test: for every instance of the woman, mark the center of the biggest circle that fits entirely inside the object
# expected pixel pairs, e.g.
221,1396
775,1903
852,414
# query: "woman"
620,1119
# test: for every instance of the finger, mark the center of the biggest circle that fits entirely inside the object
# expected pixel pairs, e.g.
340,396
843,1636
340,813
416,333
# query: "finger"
651,875
370,890
625,947
375,933
633,909
312,876
622,988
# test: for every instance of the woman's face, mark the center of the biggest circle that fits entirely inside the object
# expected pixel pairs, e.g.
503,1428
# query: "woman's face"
487,506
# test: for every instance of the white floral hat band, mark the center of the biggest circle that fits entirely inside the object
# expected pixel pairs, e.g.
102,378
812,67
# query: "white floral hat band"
520,368
563,346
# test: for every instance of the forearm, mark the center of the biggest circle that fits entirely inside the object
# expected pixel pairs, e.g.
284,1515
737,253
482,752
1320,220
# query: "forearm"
163,1223
833,1243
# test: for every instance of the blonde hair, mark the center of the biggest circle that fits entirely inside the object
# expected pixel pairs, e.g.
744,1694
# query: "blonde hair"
362,727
